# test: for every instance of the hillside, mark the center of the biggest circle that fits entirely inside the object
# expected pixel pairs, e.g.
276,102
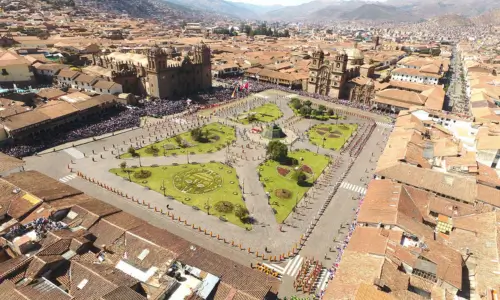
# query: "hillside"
451,20
155,9
489,18
218,6
378,12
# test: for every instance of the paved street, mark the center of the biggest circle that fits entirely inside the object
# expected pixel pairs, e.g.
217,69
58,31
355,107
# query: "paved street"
95,158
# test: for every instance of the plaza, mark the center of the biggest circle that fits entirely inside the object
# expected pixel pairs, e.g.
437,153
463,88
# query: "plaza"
180,180
331,136
265,113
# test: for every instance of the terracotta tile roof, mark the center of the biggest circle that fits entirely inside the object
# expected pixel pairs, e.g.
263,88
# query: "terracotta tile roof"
50,93
385,201
488,195
459,187
12,265
105,233
124,220
123,293
95,287
487,175
162,238
355,269
67,73
368,240
23,205
8,163
479,234
9,292
99,208
41,185
370,292
103,84
57,109
252,282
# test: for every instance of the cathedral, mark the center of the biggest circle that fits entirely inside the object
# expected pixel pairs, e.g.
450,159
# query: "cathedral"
160,72
329,77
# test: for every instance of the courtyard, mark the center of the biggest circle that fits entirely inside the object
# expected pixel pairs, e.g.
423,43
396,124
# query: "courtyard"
331,136
282,184
211,187
214,137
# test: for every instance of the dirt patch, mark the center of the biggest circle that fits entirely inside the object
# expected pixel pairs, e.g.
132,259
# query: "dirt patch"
283,193
334,135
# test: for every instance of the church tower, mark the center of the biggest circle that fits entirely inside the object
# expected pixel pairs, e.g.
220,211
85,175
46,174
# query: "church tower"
157,60
318,58
206,62
338,78
157,65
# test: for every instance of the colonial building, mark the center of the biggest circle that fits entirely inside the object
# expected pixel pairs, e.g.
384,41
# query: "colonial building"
159,73
328,77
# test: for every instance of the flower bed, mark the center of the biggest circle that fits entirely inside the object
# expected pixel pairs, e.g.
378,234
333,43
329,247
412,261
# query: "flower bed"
307,169
283,171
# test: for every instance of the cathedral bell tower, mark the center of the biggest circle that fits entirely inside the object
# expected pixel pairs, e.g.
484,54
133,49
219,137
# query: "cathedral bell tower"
318,58
157,60
338,77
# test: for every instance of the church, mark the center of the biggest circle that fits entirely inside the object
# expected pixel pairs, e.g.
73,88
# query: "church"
329,77
159,72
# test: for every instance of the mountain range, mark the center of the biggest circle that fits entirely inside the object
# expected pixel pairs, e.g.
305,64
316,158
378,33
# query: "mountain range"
459,12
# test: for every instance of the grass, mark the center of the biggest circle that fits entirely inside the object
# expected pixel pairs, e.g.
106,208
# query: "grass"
273,181
192,186
331,136
266,113
219,136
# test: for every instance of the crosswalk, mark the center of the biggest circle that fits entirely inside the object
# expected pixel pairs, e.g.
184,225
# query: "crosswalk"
291,268
353,187
385,125
323,279
67,178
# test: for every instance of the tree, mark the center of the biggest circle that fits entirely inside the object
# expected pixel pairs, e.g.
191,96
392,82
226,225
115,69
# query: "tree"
196,134
231,31
301,177
277,151
286,33
178,140
241,212
330,112
305,110
132,151
308,103
123,165
321,108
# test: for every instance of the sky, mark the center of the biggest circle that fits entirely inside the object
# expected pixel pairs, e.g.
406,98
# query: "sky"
282,2
272,2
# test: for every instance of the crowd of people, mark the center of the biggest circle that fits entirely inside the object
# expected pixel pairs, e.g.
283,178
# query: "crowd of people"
122,117
119,118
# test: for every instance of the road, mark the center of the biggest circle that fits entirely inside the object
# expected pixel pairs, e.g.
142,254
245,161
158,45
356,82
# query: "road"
95,157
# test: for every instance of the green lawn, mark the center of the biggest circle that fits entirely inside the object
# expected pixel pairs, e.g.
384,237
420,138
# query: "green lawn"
219,135
331,136
196,185
266,113
274,181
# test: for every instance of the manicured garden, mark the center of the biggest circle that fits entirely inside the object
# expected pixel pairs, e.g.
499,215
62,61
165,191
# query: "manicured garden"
305,109
331,136
211,187
266,113
206,139
287,180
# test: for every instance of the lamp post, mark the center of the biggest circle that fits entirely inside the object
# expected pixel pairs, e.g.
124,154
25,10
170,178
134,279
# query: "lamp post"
163,188
140,163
